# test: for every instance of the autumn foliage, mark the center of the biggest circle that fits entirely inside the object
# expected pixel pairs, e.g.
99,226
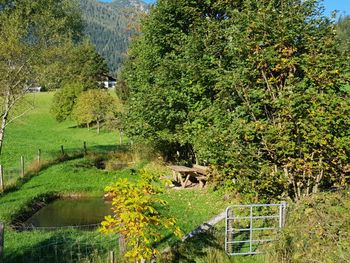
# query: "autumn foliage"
136,217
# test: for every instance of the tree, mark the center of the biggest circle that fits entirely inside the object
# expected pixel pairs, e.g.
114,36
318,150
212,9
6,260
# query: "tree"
73,62
254,88
64,100
94,106
29,29
80,68
136,218
343,32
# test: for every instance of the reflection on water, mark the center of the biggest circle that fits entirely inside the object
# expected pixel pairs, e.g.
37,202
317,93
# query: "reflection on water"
70,212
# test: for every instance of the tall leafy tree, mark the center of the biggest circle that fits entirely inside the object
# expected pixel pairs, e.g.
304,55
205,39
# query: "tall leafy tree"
171,69
286,112
80,68
28,31
94,106
255,88
73,62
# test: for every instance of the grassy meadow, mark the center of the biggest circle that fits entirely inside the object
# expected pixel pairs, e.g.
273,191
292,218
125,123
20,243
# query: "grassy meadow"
39,130
80,177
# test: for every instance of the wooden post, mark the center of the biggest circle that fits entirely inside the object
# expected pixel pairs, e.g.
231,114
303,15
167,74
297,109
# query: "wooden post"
120,136
22,166
62,150
39,156
2,186
85,148
2,242
111,257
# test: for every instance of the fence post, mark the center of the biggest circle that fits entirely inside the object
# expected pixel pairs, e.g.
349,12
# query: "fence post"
39,156
228,231
85,148
2,186
284,213
111,257
62,150
2,242
120,136
22,166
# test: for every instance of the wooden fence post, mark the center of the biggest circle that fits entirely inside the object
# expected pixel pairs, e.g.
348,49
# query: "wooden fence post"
62,150
39,156
2,186
120,136
85,148
22,166
111,257
2,242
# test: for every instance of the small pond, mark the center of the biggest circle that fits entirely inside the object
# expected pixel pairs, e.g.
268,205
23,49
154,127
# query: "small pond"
70,212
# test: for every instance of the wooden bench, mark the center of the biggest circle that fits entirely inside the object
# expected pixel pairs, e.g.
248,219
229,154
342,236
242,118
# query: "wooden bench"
202,172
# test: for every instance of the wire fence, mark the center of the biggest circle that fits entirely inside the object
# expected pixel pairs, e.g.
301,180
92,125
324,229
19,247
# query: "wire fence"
66,245
23,227
10,177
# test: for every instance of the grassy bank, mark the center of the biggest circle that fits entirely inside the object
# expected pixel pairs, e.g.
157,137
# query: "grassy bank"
317,230
70,178
79,176
39,130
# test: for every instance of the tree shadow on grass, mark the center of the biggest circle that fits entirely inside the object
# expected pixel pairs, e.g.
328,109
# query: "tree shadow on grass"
109,148
68,155
36,169
193,248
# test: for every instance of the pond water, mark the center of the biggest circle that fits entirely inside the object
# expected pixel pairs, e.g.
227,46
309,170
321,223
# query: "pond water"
70,212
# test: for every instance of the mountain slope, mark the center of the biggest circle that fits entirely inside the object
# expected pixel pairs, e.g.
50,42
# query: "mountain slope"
110,26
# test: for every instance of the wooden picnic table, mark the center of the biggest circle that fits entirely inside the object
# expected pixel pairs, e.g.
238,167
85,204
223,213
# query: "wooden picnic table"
182,174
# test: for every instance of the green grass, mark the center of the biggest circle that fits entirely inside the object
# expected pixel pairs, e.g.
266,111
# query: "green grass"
71,177
190,207
207,248
38,130
317,230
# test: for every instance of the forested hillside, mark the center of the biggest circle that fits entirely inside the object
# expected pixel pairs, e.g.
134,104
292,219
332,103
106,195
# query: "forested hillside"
110,26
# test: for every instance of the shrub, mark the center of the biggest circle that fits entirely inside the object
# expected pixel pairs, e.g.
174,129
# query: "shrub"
136,218
317,230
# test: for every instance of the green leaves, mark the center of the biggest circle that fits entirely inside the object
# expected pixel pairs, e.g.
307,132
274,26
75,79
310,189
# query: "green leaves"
94,106
255,88
136,217
316,230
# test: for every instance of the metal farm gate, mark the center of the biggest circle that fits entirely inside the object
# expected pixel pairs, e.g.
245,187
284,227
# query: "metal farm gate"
248,226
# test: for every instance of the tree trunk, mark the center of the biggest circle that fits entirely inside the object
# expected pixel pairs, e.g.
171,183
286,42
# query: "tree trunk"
122,247
98,127
4,120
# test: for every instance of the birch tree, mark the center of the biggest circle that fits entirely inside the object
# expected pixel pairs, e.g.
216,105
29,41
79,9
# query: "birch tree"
28,31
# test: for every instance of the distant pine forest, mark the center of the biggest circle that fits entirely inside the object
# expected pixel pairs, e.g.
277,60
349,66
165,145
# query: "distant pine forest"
111,26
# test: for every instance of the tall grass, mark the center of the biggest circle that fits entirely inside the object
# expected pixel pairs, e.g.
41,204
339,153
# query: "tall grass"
317,230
